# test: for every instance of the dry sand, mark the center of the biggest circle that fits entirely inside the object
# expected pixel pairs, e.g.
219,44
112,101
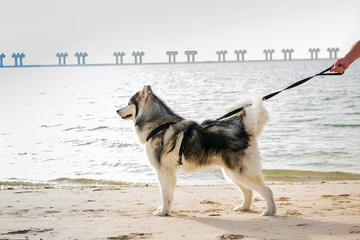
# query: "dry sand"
305,211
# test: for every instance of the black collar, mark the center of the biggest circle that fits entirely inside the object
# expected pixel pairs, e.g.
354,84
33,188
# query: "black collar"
159,129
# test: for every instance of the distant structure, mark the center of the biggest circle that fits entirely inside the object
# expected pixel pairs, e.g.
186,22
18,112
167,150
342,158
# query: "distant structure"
238,52
21,56
117,55
2,56
311,50
63,57
284,51
192,54
269,54
287,52
172,55
335,52
78,55
81,55
138,54
266,52
314,52
290,51
317,50
331,51
221,53
17,56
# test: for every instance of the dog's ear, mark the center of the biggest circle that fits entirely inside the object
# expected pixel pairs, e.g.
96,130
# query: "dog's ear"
145,92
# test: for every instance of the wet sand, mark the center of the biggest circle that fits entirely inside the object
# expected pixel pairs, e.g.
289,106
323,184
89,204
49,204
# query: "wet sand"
305,211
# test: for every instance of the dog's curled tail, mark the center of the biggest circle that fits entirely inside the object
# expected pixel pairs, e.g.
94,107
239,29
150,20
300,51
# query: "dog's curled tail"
255,116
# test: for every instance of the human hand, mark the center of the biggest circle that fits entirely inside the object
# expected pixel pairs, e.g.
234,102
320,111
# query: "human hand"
340,65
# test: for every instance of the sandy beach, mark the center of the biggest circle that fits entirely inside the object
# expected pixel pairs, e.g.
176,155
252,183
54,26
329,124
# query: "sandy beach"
305,211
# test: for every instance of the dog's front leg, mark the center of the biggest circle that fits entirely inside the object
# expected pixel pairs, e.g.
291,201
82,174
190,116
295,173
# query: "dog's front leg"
167,180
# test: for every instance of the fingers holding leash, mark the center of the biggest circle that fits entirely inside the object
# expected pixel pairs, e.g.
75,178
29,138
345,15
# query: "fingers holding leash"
339,66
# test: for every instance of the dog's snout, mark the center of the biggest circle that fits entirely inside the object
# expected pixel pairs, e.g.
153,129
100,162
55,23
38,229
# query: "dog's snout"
119,112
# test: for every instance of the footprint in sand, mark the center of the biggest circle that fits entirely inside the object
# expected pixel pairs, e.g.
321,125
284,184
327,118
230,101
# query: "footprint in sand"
93,210
283,199
210,202
292,213
131,236
27,231
230,237
214,215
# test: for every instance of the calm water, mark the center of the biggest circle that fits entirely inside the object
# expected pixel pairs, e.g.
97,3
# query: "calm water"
62,122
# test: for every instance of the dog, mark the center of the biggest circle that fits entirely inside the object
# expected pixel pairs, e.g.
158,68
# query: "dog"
173,142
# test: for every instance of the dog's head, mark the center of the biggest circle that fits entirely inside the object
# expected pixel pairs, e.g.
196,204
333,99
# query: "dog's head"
136,102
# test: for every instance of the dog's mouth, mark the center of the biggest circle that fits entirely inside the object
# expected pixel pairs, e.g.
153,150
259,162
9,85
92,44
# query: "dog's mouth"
127,116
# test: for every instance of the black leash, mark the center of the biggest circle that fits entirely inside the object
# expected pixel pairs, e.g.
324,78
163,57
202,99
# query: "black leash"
323,73
191,127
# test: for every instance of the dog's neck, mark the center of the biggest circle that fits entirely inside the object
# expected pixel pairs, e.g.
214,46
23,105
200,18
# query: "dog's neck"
152,117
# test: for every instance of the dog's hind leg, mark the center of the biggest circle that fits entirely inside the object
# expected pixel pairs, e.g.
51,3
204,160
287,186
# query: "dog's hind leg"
246,192
167,180
247,198
254,182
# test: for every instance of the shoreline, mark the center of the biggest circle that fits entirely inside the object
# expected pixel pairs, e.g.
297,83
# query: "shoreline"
305,211
273,176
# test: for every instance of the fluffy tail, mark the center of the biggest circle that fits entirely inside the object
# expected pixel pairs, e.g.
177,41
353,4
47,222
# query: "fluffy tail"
255,116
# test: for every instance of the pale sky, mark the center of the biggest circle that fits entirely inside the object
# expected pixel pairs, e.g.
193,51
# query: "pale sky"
41,28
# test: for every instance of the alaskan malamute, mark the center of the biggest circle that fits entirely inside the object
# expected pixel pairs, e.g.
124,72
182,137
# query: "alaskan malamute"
173,142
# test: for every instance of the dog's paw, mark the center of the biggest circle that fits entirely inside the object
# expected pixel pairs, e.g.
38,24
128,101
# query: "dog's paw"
160,212
268,213
241,208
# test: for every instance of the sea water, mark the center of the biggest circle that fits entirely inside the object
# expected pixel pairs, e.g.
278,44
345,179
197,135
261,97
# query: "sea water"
61,122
